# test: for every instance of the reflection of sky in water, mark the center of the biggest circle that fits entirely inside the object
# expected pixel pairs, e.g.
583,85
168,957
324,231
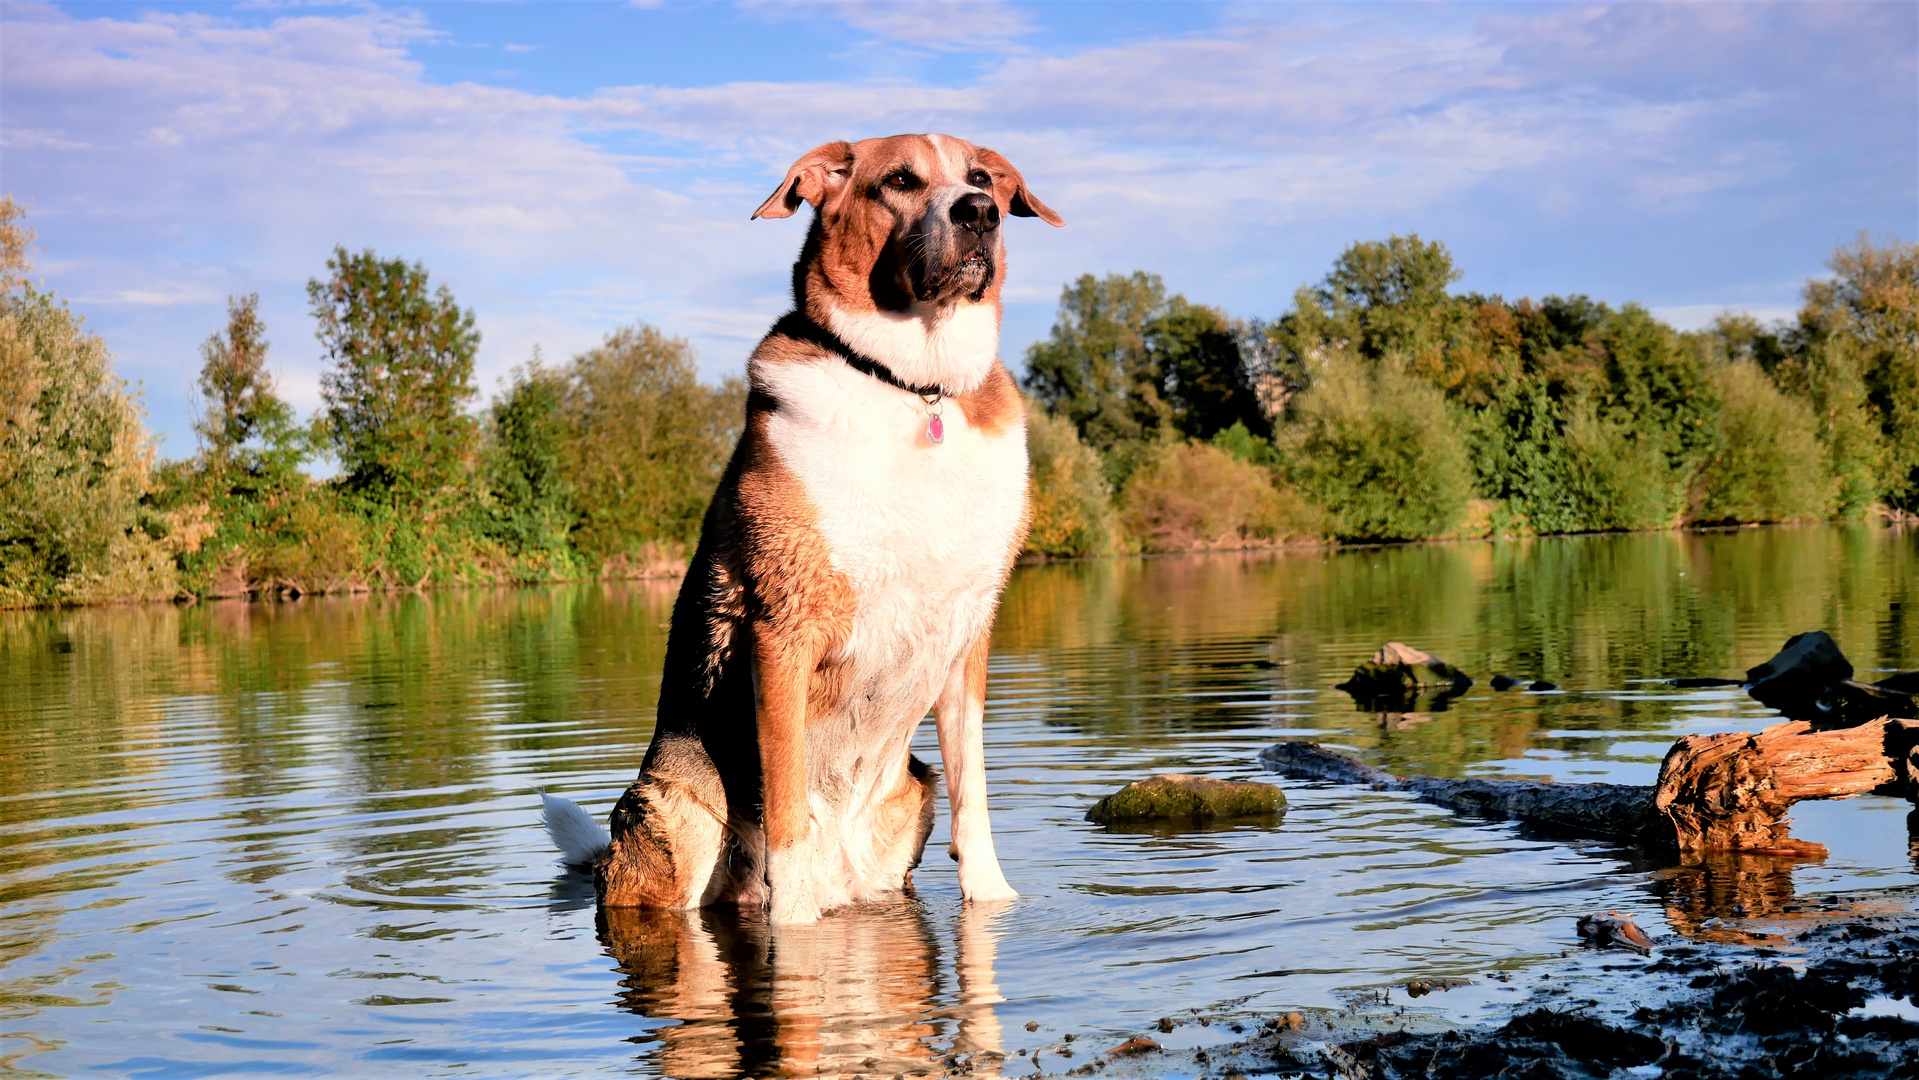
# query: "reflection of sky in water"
263,838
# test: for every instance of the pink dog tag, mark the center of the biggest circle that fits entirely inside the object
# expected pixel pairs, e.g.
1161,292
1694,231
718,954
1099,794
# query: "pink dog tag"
935,430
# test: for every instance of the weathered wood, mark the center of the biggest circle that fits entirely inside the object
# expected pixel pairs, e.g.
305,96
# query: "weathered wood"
1715,792
1731,792
1623,811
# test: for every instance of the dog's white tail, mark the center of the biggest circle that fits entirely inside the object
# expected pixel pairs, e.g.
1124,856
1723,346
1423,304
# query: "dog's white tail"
579,838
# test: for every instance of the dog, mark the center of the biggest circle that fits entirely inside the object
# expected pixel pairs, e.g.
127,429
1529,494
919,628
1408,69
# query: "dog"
850,564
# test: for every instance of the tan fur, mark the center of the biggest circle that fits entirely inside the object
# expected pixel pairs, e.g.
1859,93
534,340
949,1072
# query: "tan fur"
779,770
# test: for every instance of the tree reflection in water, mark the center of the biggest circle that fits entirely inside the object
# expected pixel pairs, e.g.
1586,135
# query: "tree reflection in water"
858,992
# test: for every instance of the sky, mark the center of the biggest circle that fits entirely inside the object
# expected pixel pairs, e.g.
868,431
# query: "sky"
567,168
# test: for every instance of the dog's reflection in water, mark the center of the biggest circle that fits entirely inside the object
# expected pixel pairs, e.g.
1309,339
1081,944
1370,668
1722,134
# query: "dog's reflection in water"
861,991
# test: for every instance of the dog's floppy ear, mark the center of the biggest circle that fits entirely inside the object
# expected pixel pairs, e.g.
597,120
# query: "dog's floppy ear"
1009,187
808,180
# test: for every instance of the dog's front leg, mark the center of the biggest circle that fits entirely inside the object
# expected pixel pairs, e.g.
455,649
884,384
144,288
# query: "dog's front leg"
961,716
780,672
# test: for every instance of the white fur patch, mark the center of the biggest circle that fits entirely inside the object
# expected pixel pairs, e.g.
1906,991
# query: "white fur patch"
923,347
922,532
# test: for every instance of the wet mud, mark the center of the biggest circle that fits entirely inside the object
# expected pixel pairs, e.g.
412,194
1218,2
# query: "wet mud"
1834,995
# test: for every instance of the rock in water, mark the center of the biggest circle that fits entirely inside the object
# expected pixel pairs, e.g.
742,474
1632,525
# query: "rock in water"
1504,682
1398,670
1176,797
1799,681
1812,680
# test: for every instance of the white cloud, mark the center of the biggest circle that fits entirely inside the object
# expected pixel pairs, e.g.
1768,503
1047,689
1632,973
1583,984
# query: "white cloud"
178,157
941,25
1701,316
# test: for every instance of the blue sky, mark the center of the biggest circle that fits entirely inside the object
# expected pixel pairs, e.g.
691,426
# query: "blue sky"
569,167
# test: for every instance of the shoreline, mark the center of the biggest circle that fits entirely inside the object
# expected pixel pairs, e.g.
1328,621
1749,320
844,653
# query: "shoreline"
1838,998
671,570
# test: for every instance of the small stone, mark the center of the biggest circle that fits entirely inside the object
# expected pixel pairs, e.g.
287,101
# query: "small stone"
1179,797
1541,686
1166,1024
1138,1044
1032,1025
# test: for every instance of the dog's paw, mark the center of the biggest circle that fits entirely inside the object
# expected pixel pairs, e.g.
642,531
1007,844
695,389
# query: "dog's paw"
986,888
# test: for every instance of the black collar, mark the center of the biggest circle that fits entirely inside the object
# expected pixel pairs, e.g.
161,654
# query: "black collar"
797,325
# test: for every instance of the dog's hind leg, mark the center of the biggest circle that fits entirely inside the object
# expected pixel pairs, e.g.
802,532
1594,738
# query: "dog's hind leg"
668,832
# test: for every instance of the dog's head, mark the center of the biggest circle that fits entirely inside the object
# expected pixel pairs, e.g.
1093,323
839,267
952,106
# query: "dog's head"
909,223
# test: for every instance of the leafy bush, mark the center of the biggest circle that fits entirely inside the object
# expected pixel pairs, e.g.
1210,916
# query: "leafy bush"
1378,451
647,441
1614,480
1072,507
1196,497
74,455
1770,466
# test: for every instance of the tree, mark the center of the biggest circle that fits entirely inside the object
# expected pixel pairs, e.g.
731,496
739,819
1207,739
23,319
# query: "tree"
1130,366
247,431
402,374
74,454
1858,336
528,444
648,440
1196,351
1096,368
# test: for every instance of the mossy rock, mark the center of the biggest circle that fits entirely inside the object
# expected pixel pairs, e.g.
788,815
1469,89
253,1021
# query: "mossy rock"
1175,797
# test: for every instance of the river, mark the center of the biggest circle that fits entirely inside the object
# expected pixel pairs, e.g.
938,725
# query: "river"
300,838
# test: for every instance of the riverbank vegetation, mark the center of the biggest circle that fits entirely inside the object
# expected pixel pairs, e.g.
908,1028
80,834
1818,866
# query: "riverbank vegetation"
1379,406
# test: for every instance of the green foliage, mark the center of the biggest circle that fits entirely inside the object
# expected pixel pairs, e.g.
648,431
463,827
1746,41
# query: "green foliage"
402,374
1770,466
1380,406
648,441
526,450
1377,449
1131,367
74,459
246,431
1862,328
1072,506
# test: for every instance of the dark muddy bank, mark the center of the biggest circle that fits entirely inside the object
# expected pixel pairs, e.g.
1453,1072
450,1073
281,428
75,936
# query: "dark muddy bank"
1839,1000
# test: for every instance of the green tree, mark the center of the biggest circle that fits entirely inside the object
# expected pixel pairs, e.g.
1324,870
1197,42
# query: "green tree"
527,446
1377,449
1097,368
402,374
1859,332
1197,353
74,454
648,441
1131,367
246,431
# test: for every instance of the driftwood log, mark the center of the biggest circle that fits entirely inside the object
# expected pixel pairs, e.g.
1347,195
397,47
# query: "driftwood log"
1715,792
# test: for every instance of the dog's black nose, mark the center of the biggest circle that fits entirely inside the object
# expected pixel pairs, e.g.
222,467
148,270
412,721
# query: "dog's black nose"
976,212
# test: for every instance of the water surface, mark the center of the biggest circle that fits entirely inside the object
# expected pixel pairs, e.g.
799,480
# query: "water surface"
300,838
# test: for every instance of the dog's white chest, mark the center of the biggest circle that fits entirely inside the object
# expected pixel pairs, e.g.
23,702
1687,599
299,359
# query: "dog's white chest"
922,530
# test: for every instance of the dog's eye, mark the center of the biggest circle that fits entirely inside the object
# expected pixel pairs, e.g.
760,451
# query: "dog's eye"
900,180
980,178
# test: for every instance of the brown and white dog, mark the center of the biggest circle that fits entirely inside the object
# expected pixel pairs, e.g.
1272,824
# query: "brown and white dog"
850,564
